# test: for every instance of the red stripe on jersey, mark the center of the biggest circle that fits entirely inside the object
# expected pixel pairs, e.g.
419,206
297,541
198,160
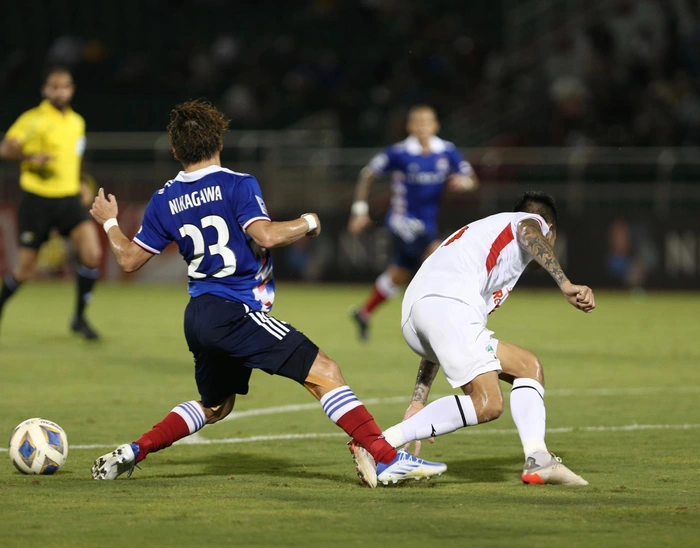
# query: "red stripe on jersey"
504,238
457,235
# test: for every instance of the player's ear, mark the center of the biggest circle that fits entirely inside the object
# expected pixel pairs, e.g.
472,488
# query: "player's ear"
174,154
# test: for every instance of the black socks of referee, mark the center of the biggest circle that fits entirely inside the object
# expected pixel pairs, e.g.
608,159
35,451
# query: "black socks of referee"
9,286
86,281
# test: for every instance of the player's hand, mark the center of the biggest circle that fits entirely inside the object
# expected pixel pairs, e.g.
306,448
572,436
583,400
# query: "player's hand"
579,296
104,208
461,183
358,224
316,231
412,410
40,159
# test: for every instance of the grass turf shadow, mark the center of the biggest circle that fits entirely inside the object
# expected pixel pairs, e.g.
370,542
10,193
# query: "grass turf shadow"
255,464
486,470
483,470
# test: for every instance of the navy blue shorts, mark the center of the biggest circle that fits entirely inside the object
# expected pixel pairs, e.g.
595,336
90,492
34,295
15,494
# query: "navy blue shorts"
410,255
228,341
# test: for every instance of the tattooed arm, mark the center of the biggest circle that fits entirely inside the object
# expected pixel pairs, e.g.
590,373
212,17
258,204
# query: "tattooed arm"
531,238
426,375
538,245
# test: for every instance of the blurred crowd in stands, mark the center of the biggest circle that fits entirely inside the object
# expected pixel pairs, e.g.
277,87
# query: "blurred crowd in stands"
627,73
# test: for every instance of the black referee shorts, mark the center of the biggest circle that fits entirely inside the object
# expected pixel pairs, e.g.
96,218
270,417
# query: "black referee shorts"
228,341
37,215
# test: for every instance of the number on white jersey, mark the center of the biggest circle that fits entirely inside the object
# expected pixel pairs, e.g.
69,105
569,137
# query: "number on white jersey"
219,248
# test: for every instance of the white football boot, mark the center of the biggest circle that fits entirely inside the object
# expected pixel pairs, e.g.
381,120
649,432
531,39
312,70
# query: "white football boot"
546,468
404,466
114,464
364,464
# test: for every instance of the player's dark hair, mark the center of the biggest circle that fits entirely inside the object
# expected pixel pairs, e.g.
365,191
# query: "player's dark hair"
54,69
196,131
535,201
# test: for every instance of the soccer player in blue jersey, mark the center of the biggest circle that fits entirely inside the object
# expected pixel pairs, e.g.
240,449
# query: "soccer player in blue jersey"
222,228
422,166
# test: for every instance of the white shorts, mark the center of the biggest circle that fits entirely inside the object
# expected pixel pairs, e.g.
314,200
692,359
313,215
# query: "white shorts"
453,334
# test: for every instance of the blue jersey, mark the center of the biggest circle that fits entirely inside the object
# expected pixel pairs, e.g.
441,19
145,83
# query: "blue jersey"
418,183
207,212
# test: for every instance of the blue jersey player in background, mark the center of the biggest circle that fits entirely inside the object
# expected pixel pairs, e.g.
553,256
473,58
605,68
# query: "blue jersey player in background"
221,226
422,166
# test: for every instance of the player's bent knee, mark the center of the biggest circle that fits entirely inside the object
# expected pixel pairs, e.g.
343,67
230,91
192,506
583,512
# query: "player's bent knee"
323,376
520,363
488,405
91,257
215,414
94,258
486,395
493,409
532,368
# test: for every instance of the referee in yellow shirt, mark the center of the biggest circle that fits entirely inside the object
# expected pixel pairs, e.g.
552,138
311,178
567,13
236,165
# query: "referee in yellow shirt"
49,141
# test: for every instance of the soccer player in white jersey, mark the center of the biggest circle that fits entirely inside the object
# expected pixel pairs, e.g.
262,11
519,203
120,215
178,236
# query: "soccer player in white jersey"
444,316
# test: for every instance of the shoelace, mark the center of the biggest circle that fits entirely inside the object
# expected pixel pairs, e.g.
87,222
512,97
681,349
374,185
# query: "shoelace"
405,456
131,470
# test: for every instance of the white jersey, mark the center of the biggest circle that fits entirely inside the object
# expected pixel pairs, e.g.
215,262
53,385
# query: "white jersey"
479,264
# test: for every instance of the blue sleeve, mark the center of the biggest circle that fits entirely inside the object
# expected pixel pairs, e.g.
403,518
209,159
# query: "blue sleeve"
152,236
458,164
385,161
250,206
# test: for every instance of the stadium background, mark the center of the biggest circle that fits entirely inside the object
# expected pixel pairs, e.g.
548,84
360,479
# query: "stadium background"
596,102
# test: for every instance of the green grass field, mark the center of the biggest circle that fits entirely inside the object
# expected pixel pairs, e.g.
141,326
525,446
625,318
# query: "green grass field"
623,387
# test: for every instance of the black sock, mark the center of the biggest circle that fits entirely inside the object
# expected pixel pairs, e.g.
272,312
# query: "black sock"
9,286
86,280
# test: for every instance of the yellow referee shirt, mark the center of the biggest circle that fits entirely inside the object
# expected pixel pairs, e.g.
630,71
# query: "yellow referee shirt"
45,129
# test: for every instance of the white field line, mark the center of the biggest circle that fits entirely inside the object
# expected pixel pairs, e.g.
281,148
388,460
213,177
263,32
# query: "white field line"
198,440
565,392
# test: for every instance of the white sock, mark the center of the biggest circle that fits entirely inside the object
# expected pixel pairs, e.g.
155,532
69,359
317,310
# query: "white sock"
339,401
385,286
193,415
529,415
440,417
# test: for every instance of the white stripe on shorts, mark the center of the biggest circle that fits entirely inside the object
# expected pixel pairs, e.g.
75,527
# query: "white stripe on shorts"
267,320
266,327
279,324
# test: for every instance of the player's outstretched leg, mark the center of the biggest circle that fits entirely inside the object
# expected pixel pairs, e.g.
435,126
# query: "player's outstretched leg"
384,288
343,407
184,420
445,415
522,368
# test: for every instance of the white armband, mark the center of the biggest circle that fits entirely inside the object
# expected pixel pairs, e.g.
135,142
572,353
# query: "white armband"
360,208
109,223
311,221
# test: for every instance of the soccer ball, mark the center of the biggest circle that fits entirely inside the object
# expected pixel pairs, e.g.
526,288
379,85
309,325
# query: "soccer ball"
38,446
